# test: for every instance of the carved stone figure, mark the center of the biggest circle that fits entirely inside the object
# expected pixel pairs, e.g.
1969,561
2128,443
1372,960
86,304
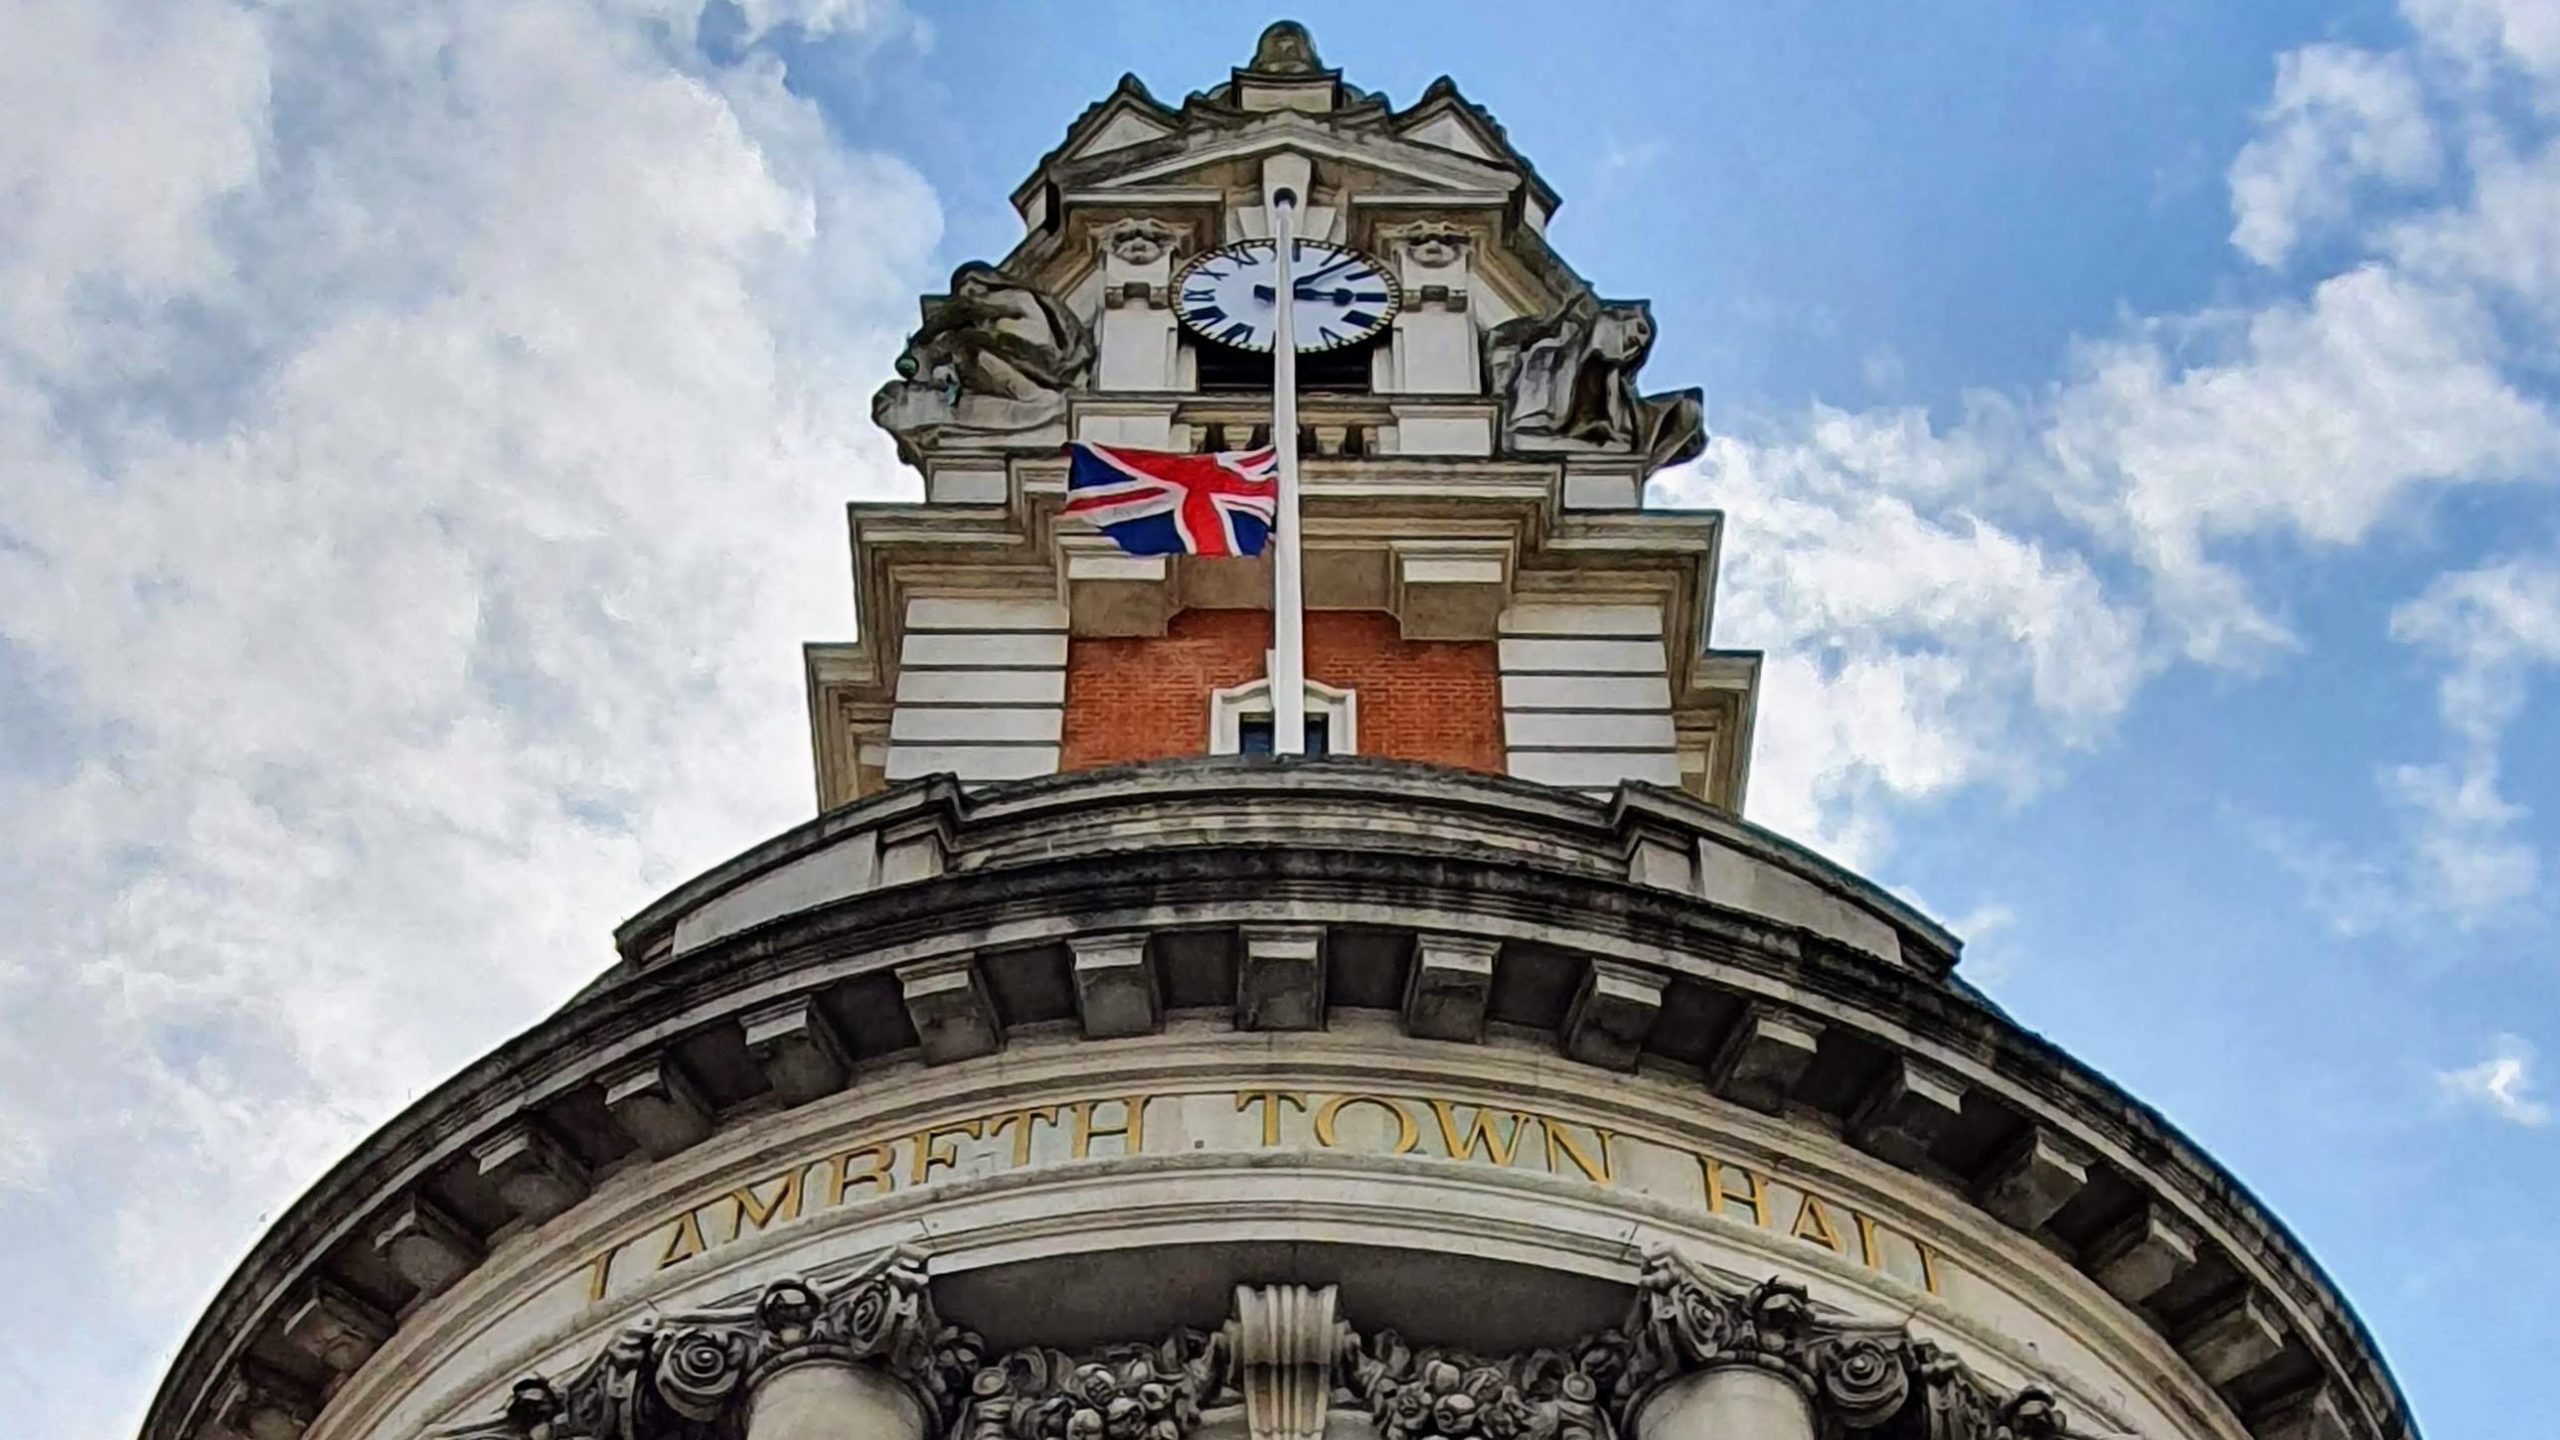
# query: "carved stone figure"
1141,239
1429,243
995,356
1285,49
1571,376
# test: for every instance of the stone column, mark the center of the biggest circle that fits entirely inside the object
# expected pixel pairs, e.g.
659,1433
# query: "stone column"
820,1396
1731,1402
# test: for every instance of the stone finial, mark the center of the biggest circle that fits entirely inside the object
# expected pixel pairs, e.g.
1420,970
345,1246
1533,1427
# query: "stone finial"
1285,49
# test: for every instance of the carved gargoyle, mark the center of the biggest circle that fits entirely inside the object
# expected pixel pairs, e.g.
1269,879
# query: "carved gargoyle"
995,356
1571,376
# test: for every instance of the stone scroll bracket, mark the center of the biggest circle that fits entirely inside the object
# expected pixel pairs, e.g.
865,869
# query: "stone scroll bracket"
865,1356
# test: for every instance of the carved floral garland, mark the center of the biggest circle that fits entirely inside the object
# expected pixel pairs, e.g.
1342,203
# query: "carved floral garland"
684,1379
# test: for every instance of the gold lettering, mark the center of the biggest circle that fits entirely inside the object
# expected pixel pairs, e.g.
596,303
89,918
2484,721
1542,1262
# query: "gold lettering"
1757,1197
600,1271
685,1243
1020,1122
1132,1129
1867,1239
1408,1134
1270,1101
753,1210
1602,1172
1928,1265
1498,1145
841,1175
1813,1222
933,1154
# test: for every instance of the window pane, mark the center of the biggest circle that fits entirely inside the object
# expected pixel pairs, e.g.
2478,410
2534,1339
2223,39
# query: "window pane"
1319,738
1253,735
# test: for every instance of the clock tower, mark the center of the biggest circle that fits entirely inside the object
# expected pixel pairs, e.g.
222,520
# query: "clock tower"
1484,586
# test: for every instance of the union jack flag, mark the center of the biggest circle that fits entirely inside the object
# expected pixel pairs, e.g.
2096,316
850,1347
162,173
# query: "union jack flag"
1156,502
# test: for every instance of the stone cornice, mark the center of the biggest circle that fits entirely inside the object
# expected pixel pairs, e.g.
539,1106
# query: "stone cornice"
1393,849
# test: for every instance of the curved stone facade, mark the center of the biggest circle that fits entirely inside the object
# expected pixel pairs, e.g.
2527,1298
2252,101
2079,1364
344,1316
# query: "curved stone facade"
1551,1100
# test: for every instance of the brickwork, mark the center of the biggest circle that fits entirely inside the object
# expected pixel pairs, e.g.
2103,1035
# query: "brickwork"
1434,700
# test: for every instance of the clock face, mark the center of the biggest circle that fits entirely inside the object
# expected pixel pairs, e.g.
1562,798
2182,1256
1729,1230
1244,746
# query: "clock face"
1344,297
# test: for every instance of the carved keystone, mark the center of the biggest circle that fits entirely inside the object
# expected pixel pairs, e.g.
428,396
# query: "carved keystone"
657,1105
334,1327
1612,1014
2232,1339
1287,1344
1762,1057
954,1016
1117,990
2146,1251
800,1050
2314,1414
1451,982
1911,1105
257,1403
429,1248
1280,981
2035,1179
534,1176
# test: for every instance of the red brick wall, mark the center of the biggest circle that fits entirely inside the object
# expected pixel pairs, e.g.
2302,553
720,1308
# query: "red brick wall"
1435,700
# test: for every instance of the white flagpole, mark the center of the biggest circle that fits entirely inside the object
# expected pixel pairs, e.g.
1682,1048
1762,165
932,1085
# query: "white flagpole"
1288,599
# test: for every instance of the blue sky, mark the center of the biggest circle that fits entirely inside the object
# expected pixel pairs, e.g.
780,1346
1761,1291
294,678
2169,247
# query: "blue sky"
421,427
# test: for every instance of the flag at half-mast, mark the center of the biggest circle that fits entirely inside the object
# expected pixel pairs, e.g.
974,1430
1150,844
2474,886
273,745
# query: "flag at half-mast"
1158,502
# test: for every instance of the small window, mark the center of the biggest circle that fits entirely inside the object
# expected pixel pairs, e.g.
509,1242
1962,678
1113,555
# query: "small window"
1240,720
1255,735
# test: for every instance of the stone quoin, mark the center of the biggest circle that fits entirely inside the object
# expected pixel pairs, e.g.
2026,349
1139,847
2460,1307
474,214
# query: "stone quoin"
1080,1073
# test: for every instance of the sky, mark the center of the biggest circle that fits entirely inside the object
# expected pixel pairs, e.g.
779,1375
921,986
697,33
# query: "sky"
424,426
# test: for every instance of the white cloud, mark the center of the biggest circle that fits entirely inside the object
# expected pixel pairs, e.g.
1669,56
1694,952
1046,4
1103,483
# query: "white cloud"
422,467
2310,422
1902,678
2524,34
2502,1083
2340,120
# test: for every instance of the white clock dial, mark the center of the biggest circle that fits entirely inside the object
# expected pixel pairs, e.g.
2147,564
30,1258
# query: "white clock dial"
1343,297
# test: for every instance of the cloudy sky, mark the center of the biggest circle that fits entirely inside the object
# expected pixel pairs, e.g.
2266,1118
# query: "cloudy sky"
423,425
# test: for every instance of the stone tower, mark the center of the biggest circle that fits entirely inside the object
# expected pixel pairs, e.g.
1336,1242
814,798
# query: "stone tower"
1486,590
1077,1074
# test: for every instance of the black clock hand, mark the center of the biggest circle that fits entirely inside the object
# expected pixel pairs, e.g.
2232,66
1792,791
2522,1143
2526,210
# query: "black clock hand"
1306,280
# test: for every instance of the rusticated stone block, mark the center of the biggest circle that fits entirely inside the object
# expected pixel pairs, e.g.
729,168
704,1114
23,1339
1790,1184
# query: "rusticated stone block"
533,1174
334,1327
1451,983
1612,1014
1280,980
799,1049
1910,1106
954,1016
429,1248
1760,1060
2147,1250
657,1105
2035,1178
2233,1338
1117,990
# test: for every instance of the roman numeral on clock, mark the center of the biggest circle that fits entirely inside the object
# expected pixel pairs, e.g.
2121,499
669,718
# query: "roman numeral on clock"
1235,334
